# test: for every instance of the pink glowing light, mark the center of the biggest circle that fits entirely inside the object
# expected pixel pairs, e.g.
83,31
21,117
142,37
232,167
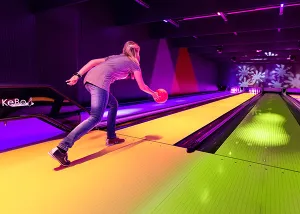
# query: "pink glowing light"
223,16
252,10
199,17
142,3
281,6
281,10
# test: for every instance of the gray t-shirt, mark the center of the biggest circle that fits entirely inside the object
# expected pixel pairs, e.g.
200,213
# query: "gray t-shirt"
114,68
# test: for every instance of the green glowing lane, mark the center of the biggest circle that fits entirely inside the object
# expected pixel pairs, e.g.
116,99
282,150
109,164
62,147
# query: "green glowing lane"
215,184
269,134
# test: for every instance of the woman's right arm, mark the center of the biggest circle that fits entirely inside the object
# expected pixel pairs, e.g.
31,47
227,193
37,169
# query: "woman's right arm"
139,79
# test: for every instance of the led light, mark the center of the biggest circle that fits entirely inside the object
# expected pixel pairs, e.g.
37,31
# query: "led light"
142,3
281,10
243,11
223,16
199,17
173,22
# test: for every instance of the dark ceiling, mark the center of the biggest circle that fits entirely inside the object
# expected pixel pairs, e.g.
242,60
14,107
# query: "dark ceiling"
251,25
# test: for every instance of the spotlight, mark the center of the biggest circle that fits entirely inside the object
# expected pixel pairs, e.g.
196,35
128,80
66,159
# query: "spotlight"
299,44
270,54
281,10
220,49
258,51
222,15
173,22
292,58
142,3
165,21
233,59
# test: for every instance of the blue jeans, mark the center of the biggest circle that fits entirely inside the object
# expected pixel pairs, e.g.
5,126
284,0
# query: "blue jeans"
100,99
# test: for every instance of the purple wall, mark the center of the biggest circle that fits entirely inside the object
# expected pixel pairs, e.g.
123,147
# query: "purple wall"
17,42
57,47
206,73
48,47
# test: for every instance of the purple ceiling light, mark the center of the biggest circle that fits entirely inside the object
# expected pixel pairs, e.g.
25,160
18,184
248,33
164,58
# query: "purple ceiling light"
173,22
281,10
252,10
222,15
281,6
199,17
142,3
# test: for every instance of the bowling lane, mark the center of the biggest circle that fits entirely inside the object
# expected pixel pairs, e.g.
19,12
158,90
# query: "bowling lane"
269,135
136,110
140,176
295,96
173,128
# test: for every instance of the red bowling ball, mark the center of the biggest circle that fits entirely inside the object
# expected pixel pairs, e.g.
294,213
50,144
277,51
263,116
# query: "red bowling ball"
163,95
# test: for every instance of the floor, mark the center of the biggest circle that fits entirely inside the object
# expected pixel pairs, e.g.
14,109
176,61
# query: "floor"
147,174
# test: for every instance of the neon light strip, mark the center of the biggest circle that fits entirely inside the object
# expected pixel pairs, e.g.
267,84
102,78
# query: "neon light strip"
200,17
252,10
241,11
142,3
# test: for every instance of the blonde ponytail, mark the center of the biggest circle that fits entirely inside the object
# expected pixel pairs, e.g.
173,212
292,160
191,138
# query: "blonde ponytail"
131,51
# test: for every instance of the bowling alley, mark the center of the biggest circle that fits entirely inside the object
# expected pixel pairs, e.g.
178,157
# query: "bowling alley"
150,106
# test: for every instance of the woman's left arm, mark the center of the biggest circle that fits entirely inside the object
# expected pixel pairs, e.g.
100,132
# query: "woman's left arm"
90,65
84,69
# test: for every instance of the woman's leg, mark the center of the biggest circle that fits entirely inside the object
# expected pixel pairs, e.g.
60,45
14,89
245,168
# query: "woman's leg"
111,122
99,99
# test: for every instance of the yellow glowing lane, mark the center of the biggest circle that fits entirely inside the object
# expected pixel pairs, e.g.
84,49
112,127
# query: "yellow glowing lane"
295,96
100,180
173,128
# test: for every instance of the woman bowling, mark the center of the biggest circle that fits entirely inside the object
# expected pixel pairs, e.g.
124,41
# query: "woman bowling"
100,74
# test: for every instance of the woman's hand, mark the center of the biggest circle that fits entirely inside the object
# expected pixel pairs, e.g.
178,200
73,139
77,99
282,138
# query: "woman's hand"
155,96
74,79
130,76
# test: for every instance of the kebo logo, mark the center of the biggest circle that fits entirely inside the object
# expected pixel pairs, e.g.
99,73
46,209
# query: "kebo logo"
16,102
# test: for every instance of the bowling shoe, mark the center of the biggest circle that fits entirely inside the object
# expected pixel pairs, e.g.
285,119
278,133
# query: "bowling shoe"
114,141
